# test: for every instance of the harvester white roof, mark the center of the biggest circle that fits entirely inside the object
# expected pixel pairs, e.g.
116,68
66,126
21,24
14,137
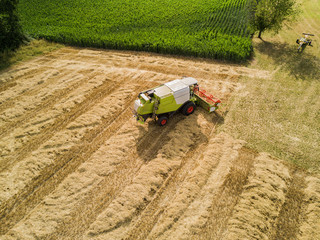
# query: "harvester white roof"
175,85
179,88
189,81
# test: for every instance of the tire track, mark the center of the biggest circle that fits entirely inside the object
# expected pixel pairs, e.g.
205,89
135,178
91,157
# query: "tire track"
60,123
25,77
30,71
16,207
33,90
53,78
7,85
35,67
111,186
45,105
228,195
291,213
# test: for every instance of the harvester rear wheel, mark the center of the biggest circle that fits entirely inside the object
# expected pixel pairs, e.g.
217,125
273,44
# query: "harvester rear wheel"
162,120
188,108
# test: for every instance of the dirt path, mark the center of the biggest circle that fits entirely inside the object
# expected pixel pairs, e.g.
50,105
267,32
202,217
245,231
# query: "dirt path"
75,165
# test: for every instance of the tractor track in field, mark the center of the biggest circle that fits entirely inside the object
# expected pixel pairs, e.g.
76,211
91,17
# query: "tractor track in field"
75,164
51,79
25,71
25,76
29,92
5,86
53,175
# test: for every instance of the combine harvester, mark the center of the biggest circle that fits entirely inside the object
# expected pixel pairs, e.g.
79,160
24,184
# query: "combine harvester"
162,102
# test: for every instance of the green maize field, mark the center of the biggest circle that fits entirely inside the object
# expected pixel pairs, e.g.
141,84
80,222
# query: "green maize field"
203,28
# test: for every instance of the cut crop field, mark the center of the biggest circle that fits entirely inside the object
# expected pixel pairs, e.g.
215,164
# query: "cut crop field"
75,164
205,28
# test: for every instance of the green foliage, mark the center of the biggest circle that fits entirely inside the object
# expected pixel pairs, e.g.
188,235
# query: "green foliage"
10,31
26,51
204,28
271,14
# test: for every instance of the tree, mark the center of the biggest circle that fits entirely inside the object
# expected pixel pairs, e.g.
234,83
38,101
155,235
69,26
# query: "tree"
11,34
271,14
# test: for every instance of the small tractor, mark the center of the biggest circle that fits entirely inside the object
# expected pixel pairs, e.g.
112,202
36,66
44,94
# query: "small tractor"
304,41
161,102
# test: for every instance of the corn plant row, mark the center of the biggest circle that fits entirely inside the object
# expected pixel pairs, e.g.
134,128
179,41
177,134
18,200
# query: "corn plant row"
204,28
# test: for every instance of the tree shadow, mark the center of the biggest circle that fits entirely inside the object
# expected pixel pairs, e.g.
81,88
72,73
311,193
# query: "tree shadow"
302,65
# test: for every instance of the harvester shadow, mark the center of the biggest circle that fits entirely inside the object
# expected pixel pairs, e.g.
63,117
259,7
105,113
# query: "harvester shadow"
218,118
151,141
301,65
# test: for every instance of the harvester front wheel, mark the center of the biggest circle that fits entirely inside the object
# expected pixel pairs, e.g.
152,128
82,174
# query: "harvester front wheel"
188,108
162,120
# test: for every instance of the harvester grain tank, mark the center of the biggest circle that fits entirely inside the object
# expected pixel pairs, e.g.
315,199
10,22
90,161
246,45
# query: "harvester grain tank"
161,102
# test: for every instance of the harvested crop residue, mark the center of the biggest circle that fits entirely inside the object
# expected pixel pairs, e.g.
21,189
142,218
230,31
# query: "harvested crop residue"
76,165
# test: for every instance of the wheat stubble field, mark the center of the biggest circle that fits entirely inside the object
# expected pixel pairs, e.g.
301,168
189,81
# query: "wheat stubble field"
74,163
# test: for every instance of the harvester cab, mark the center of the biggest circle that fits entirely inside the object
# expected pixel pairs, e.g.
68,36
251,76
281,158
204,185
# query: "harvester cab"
161,102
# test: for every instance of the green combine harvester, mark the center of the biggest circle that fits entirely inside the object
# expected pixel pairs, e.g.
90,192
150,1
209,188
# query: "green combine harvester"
161,102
